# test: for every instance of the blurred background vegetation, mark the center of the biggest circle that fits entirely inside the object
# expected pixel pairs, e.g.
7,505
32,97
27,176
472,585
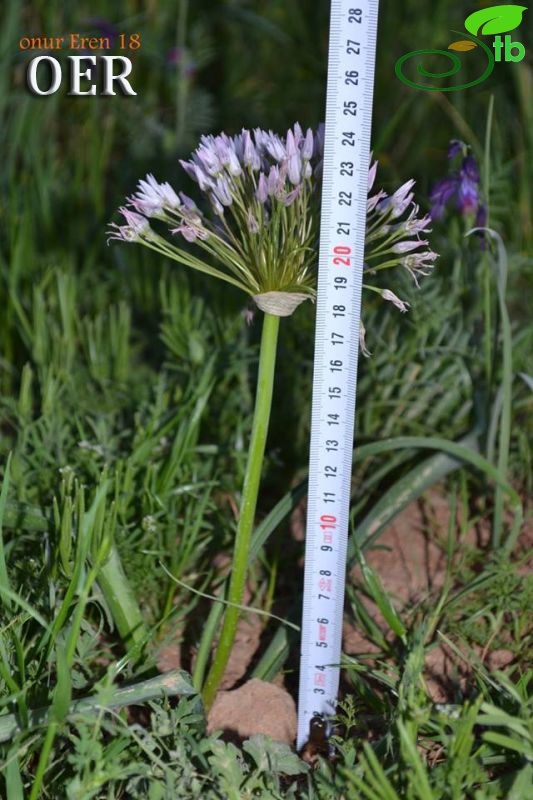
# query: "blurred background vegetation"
209,66
114,362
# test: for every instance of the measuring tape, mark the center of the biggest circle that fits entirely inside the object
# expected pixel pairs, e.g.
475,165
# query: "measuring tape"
352,49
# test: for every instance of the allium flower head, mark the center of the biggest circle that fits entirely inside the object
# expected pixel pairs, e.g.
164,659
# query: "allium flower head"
261,235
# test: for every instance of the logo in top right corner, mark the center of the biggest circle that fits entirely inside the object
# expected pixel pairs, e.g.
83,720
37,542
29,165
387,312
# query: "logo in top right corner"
492,21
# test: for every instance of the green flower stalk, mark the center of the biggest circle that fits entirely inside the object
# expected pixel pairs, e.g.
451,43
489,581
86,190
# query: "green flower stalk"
261,236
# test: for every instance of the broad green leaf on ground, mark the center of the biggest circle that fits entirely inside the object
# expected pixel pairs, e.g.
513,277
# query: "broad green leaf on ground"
271,755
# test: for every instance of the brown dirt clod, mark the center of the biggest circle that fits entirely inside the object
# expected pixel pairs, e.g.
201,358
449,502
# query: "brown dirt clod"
255,707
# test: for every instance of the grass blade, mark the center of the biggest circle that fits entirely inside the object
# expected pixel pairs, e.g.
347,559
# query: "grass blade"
4,578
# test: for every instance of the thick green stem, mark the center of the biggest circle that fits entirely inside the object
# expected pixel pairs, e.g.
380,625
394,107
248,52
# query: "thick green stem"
263,403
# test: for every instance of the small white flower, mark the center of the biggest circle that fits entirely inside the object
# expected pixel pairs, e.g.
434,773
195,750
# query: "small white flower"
399,196
136,229
372,175
152,198
250,155
253,225
191,232
293,160
413,225
274,146
362,340
372,202
419,263
207,157
307,146
408,245
395,300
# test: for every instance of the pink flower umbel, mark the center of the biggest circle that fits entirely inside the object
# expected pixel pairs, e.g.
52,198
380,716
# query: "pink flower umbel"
260,229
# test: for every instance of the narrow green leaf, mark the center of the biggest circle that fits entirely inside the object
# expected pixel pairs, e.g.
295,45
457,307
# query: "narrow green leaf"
412,485
360,784
412,757
500,739
528,379
274,656
281,510
14,787
18,600
386,788
522,784
4,578
63,689
381,598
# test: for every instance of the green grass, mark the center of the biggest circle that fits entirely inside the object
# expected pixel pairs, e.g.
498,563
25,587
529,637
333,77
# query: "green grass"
126,398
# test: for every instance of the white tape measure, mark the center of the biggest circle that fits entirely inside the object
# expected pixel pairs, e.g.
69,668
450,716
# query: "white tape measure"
352,48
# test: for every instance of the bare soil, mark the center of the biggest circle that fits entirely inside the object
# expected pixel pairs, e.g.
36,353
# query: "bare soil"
410,559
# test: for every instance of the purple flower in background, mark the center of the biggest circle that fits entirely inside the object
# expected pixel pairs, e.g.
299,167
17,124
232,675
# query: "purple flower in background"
443,191
481,216
468,191
460,186
104,28
481,222
469,169
467,197
454,148
177,56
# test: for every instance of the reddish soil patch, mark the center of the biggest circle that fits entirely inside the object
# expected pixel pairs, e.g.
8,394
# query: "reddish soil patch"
410,559
255,707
